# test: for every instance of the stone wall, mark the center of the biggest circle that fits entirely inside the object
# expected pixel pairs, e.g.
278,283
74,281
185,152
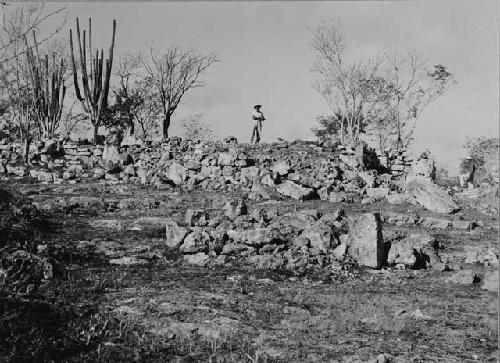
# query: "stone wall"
399,163
301,170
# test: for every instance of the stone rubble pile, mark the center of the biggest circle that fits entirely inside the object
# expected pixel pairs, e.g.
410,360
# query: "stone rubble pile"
300,170
183,162
420,185
269,238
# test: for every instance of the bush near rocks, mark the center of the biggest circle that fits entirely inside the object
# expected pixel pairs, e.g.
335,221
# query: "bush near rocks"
22,269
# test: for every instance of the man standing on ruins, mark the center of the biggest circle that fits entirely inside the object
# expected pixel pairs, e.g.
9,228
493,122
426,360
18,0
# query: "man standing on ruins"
257,118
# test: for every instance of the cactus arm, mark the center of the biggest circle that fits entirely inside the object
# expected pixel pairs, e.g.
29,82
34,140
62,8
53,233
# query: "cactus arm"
47,94
96,77
85,80
29,57
73,65
109,63
92,79
37,53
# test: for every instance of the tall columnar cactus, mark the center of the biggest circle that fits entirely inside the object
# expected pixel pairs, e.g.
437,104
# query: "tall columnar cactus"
94,76
47,87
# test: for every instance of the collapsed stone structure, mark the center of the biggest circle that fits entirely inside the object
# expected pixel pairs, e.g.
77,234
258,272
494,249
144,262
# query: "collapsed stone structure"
267,237
271,238
300,170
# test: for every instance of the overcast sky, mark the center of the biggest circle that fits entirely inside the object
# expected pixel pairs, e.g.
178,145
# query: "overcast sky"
265,58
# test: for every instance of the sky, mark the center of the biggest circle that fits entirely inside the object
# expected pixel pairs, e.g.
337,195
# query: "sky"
265,58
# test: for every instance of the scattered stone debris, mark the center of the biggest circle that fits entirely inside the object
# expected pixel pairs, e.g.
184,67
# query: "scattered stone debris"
464,277
490,281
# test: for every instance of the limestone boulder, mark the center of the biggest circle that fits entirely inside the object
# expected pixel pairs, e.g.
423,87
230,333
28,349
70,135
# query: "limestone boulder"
490,281
435,223
295,191
131,140
235,248
280,167
45,176
177,173
464,277
365,241
424,167
368,179
196,241
174,233
111,154
235,208
481,255
196,217
430,195
198,259
400,198
319,236
256,237
415,251
226,159
249,174
377,193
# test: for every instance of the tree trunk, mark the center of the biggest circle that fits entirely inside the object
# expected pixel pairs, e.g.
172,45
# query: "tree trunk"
143,136
131,128
96,132
398,125
26,149
166,125
342,132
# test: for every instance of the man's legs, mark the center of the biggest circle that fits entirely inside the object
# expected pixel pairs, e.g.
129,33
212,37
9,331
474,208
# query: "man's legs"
255,135
464,179
470,184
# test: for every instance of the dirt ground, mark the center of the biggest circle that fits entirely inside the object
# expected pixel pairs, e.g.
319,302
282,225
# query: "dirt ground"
118,294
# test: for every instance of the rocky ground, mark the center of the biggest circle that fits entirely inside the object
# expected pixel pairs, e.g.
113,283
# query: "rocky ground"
143,273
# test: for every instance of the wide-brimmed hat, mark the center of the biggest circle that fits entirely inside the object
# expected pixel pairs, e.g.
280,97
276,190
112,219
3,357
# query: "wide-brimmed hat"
257,106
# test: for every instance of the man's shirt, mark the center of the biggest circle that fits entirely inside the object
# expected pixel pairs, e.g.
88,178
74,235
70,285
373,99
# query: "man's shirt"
257,115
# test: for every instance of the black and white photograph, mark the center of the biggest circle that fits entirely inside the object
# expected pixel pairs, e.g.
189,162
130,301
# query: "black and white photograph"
249,181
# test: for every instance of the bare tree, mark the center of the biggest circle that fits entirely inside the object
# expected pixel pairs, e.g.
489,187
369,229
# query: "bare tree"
174,73
350,89
411,85
147,113
20,20
22,115
384,95
127,71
